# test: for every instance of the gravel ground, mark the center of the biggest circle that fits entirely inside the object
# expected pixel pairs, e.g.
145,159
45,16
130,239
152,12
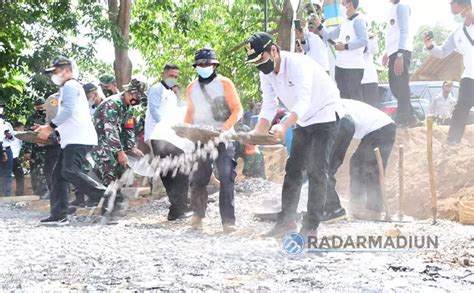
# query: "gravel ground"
144,252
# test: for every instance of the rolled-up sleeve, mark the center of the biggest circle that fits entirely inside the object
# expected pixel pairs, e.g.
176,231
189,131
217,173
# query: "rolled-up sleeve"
70,95
362,40
446,49
269,100
403,16
154,101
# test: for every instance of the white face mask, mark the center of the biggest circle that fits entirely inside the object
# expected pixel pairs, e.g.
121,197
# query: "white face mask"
171,82
459,18
205,72
58,79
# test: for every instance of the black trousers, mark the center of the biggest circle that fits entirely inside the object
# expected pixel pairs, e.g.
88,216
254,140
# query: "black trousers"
19,177
51,157
400,87
226,164
371,94
310,150
461,111
349,83
346,129
365,183
69,169
176,187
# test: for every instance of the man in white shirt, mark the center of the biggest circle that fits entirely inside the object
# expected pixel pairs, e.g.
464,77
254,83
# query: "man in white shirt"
162,112
78,136
375,129
308,92
442,106
314,45
398,46
370,81
16,145
461,40
6,164
351,40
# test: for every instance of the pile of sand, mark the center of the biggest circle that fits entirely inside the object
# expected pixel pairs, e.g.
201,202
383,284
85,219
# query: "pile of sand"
454,171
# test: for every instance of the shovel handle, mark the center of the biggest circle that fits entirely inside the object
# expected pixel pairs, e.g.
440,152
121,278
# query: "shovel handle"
378,157
401,180
429,145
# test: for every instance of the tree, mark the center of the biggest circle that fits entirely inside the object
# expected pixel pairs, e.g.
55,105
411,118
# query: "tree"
32,33
170,32
420,54
120,27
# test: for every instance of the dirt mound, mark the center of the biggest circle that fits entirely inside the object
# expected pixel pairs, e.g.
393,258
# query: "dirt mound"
454,171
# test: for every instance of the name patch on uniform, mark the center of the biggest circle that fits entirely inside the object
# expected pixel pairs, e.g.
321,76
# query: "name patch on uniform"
130,124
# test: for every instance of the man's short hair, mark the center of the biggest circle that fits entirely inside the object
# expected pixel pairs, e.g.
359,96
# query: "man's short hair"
171,67
462,2
355,3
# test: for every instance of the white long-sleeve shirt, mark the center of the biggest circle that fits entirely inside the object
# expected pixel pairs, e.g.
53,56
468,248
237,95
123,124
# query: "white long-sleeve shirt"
316,48
459,41
366,118
303,87
370,70
4,126
16,145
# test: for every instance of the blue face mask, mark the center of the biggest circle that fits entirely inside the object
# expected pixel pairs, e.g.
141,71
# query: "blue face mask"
205,72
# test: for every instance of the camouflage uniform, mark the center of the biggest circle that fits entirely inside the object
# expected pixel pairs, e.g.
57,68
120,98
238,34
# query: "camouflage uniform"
37,156
253,157
115,128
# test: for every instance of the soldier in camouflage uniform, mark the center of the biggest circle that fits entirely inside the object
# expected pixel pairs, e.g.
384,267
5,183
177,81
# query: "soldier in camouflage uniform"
253,157
115,128
36,153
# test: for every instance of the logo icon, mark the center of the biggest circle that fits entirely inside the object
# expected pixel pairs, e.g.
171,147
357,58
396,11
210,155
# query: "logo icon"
293,243
348,38
392,21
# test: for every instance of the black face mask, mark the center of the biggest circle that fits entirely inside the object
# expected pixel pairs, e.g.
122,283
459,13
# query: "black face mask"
267,67
107,92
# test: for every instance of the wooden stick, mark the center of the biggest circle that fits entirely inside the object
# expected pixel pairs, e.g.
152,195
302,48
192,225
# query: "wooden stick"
434,200
378,156
400,182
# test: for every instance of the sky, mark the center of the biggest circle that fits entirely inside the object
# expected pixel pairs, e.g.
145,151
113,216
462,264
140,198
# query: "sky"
423,12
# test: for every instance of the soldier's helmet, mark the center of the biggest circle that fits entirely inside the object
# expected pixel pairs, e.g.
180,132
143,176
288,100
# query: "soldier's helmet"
137,87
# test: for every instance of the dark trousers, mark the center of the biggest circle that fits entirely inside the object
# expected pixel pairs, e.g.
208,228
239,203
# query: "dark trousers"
176,187
371,94
310,151
346,129
51,157
349,83
461,111
365,183
6,169
19,177
226,164
69,169
400,87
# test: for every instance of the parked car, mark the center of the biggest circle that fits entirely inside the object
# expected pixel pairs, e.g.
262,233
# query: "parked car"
421,94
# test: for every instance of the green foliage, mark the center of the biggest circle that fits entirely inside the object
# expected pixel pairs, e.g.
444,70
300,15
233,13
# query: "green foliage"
420,54
32,33
171,31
